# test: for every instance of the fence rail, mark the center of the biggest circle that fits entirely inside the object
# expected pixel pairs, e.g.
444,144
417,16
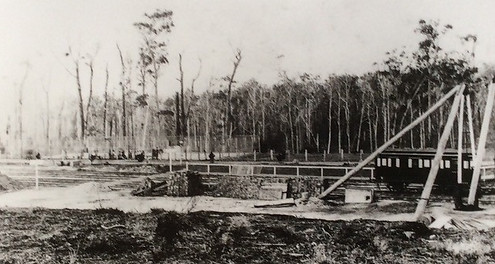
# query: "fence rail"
322,172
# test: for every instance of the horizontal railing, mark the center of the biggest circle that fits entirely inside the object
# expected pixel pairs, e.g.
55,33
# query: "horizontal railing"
323,172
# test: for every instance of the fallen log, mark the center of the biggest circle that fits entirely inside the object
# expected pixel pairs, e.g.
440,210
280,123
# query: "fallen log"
150,188
278,203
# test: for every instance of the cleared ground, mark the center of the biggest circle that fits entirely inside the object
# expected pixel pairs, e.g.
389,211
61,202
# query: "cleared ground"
106,225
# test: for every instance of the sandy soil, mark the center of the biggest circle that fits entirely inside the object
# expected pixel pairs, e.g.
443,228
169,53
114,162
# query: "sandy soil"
94,195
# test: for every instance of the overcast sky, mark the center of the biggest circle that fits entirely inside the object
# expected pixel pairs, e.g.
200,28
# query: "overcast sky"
318,37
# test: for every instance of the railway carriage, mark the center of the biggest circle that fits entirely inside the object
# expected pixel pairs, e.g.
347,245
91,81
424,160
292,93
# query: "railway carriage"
400,167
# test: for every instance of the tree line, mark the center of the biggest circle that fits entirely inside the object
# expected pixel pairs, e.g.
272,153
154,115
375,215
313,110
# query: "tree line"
310,112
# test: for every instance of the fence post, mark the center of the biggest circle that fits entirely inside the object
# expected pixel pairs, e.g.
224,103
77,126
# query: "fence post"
254,155
208,168
37,175
275,170
297,171
306,155
341,154
271,154
187,165
324,154
169,161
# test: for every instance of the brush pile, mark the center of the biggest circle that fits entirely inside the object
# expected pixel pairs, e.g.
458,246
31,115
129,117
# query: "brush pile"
178,183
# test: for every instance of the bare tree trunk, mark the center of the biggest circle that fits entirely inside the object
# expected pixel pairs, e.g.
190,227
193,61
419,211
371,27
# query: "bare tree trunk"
376,127
428,137
370,129
339,138
358,143
123,83
207,123
21,97
182,116
47,97
384,114
229,116
412,130
105,103
81,106
330,101
291,129
347,118
90,97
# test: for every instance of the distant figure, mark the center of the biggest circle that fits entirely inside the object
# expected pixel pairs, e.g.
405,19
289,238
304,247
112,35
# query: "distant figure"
212,157
154,154
140,157
38,156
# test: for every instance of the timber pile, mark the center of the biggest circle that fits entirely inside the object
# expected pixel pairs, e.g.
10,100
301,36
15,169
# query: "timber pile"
178,183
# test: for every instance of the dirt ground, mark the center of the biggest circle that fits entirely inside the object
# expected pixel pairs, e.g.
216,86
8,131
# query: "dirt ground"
102,223
112,236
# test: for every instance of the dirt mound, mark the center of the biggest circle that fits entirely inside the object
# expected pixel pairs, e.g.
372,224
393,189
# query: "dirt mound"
9,184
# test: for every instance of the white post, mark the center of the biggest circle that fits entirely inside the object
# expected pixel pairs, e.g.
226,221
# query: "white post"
481,144
373,155
460,126
187,165
306,155
180,156
470,121
271,154
254,155
274,170
442,143
341,154
36,175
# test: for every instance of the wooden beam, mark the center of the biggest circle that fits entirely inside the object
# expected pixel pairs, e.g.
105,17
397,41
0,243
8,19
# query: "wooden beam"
481,144
460,127
470,122
387,144
442,143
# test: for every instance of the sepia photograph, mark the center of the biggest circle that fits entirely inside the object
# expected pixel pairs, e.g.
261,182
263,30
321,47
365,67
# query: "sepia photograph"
236,131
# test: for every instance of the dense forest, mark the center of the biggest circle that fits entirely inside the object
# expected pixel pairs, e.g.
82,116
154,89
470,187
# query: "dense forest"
331,113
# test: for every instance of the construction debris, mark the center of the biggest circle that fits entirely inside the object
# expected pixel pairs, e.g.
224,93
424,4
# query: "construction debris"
179,183
278,203
448,222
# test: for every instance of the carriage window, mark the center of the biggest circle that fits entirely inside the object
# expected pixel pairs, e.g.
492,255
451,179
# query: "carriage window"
466,164
390,162
420,163
397,163
426,163
409,163
378,163
447,164
441,164
384,162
